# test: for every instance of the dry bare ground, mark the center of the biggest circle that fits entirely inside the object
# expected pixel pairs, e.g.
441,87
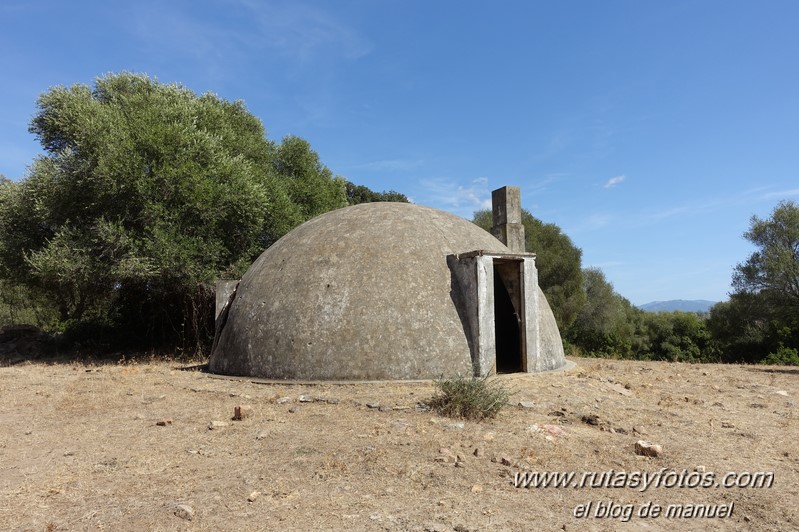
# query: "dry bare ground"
80,449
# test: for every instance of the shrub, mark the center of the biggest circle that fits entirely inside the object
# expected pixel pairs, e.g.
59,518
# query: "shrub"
785,356
470,398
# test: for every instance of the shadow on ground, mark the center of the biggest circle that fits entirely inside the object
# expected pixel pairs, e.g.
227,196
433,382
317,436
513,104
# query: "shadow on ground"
21,344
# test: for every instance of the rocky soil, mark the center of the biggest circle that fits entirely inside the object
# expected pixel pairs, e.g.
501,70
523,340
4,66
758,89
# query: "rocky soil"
153,446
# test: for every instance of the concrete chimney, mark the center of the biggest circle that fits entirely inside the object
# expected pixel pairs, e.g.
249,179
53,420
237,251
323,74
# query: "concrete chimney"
507,214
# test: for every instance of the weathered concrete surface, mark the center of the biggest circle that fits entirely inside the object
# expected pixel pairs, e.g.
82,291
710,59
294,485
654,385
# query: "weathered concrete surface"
224,291
363,292
507,218
549,353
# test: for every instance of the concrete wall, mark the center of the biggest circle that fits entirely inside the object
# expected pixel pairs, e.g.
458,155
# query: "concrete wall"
377,291
224,292
473,275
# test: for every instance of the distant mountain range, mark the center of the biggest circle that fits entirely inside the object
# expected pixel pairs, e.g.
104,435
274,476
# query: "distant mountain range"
695,305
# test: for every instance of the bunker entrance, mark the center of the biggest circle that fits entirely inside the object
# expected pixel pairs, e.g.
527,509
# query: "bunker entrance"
509,315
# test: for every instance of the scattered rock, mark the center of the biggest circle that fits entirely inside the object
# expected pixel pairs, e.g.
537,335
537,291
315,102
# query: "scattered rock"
283,400
372,405
478,452
254,495
503,459
242,411
645,448
488,436
293,410
217,425
423,407
184,511
477,488
782,392
624,390
456,426
446,456
590,419
69,453
551,431
384,408
262,436
554,430
727,425
557,413
149,399
305,399
332,401
164,422
526,404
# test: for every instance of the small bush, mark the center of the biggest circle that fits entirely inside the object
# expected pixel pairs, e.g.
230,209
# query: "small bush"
785,356
470,398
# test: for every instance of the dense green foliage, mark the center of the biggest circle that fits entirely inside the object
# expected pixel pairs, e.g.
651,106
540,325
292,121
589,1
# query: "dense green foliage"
146,194
760,322
558,262
605,325
360,194
774,268
608,325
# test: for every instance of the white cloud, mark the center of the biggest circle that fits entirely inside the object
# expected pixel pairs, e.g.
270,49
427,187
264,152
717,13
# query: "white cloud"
452,196
302,31
707,205
613,181
541,185
291,30
781,194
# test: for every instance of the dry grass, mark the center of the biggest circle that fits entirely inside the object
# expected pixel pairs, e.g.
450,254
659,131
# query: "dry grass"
474,398
80,449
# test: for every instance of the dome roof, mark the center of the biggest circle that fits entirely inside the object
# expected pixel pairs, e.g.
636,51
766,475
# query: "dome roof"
362,292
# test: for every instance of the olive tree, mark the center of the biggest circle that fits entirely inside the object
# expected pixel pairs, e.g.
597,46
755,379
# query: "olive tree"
145,194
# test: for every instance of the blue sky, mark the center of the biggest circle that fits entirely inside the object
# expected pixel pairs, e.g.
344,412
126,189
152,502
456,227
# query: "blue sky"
650,132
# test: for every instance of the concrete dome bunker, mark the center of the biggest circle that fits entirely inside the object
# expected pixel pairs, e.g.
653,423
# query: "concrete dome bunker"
389,291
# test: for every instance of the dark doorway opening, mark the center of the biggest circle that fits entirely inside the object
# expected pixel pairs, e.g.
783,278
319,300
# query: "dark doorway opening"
508,318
